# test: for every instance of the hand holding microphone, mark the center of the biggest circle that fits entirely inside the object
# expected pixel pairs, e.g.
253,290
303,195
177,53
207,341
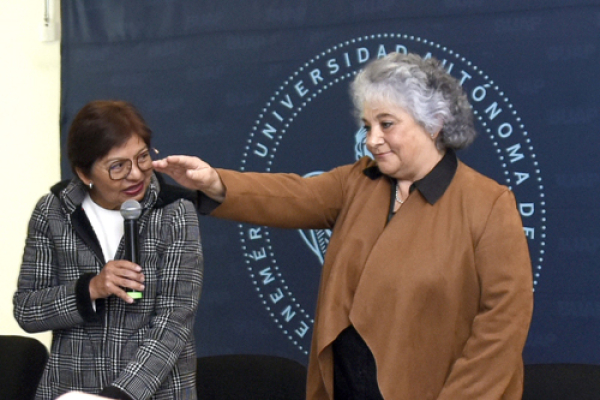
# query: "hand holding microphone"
122,278
118,275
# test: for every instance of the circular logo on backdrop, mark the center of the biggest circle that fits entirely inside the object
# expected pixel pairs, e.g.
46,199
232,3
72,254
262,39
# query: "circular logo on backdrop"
306,127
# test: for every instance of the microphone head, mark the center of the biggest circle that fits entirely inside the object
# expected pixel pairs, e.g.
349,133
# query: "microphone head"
131,209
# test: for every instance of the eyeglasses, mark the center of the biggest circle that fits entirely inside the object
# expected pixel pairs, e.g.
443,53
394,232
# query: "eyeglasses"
120,169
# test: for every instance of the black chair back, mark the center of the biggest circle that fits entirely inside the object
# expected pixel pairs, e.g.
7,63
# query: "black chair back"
244,376
561,382
22,361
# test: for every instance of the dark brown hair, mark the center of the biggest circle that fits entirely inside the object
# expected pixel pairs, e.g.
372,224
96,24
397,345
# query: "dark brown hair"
100,126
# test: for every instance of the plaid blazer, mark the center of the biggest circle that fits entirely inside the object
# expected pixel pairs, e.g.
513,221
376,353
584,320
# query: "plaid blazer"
129,351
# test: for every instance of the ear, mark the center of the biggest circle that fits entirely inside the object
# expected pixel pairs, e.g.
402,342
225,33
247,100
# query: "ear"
435,135
440,126
86,181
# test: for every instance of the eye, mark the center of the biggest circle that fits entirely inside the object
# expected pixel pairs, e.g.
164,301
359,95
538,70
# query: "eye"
386,124
143,157
117,166
366,127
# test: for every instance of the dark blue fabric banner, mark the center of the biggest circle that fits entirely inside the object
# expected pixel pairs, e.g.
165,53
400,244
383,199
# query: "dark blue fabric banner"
263,86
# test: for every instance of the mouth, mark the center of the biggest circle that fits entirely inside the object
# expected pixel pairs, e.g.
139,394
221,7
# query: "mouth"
380,155
134,190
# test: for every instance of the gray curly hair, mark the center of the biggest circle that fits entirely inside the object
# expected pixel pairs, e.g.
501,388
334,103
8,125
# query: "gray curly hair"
423,88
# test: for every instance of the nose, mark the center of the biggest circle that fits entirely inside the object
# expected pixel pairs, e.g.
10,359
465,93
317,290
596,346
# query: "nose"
374,137
135,173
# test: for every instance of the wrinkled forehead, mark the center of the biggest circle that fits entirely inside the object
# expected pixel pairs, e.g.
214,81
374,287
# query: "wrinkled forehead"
131,148
378,107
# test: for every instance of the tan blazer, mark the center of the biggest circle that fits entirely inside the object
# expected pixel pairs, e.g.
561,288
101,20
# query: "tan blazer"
442,294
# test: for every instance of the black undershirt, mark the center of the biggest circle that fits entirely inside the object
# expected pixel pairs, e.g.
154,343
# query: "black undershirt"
354,371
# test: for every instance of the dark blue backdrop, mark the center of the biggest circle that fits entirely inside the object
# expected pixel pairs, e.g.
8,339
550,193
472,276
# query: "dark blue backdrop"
262,86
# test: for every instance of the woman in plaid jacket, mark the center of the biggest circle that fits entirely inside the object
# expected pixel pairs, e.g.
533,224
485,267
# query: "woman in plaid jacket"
73,276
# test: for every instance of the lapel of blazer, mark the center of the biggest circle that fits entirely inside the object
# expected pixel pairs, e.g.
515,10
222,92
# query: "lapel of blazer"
83,228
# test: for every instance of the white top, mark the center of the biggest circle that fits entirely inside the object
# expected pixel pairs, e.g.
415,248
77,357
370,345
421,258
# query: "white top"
79,396
108,226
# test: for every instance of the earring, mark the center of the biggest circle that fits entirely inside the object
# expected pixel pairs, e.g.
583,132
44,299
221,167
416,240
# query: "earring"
91,185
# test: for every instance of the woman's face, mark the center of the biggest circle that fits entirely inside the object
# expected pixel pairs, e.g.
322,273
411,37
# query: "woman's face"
109,193
401,147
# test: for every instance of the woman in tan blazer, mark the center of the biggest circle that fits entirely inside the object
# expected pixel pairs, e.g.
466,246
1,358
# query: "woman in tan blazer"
426,287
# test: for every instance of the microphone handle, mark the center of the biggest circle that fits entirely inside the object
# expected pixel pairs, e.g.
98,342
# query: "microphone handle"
131,241
132,250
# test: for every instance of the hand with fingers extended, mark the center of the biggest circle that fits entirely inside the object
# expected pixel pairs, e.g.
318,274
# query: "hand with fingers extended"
114,277
193,173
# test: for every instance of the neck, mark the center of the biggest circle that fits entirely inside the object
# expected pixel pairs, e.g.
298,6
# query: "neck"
428,166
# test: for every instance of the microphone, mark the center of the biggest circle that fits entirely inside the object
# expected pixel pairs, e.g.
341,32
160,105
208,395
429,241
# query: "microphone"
131,211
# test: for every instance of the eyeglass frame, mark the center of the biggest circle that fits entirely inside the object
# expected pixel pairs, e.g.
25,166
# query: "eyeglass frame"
128,164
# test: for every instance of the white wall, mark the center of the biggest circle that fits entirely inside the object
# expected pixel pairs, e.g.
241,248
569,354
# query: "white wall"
29,134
